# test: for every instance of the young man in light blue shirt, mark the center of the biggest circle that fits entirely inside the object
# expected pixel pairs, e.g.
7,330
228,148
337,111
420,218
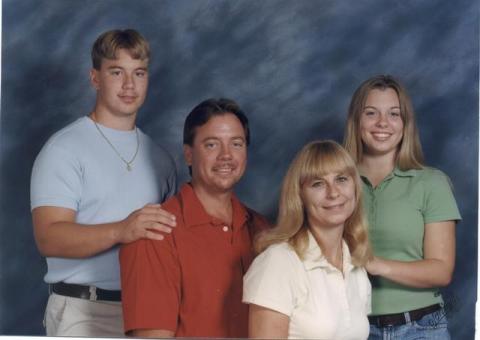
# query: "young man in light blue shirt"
96,184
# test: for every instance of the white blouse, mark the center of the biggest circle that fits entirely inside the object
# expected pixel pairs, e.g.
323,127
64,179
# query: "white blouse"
320,302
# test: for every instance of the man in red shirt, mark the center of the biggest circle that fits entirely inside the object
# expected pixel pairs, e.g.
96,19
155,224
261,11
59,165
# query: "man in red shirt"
190,284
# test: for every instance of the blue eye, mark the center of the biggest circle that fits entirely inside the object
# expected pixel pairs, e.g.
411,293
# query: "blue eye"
342,179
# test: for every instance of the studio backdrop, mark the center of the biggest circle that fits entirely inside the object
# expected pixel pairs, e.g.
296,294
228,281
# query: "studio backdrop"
291,65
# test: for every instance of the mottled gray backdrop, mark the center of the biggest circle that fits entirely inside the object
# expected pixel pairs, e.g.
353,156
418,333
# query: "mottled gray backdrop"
292,65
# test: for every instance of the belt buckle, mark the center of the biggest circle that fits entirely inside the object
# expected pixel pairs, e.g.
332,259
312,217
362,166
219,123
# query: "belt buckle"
93,293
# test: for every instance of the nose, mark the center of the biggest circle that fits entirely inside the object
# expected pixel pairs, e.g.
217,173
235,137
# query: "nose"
128,82
382,120
225,152
332,191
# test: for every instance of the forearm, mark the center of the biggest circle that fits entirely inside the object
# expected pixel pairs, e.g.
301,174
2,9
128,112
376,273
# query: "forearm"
59,235
73,240
152,333
425,273
435,270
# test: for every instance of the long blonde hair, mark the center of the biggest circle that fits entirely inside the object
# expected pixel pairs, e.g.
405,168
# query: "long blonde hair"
315,160
409,155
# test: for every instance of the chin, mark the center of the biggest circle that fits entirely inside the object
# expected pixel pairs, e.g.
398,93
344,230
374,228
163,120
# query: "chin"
340,220
226,185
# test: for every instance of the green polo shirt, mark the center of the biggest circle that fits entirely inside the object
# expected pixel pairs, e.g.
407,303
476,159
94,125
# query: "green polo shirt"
398,209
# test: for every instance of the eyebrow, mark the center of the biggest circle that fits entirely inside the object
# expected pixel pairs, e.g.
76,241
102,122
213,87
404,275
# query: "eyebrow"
239,137
122,68
216,138
373,107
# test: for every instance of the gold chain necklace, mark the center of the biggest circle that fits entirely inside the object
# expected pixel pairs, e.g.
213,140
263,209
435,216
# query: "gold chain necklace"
127,163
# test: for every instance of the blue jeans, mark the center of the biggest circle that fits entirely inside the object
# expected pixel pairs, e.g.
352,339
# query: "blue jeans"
431,326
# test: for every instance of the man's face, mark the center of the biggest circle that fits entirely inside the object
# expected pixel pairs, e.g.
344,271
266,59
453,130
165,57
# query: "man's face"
121,85
219,154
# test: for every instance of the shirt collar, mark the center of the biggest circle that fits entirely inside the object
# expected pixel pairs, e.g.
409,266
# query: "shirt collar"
314,258
194,214
396,172
406,173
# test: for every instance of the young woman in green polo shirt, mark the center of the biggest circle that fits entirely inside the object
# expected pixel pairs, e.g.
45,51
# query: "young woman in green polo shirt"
411,212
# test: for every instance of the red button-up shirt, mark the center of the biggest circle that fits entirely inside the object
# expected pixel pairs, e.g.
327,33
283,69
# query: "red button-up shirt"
191,282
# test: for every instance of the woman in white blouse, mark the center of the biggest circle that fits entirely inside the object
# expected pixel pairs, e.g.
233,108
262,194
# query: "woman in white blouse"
309,280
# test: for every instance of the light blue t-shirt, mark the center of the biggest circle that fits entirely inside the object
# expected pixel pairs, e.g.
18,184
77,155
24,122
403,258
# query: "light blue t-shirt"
79,170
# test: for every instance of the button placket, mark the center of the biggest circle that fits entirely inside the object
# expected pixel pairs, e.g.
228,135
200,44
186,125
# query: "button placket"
373,207
342,293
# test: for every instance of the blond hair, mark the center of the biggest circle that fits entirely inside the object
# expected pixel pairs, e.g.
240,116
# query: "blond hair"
409,155
316,160
108,43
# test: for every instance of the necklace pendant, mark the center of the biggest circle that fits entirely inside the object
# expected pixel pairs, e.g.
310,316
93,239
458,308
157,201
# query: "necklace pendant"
128,164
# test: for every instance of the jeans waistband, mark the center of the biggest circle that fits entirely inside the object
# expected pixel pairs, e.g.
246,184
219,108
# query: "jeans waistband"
402,318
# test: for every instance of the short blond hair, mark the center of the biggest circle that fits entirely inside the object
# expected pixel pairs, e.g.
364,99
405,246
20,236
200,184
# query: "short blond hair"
409,155
315,160
108,43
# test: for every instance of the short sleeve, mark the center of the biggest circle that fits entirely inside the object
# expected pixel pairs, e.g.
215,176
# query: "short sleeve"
273,280
440,204
151,285
56,179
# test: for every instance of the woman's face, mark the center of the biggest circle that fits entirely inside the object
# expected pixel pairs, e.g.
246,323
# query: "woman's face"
330,200
381,124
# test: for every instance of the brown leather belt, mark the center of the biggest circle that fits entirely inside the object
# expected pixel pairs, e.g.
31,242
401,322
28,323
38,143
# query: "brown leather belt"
402,318
85,292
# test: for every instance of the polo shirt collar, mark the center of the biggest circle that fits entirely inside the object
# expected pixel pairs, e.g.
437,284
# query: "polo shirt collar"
406,173
194,214
314,258
396,172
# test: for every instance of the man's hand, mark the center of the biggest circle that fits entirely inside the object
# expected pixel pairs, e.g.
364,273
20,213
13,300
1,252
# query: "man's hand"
150,222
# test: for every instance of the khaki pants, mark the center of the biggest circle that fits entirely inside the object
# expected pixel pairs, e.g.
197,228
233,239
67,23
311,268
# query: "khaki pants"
67,316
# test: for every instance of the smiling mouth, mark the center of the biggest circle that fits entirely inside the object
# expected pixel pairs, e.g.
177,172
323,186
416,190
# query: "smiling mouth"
335,206
128,99
381,136
224,170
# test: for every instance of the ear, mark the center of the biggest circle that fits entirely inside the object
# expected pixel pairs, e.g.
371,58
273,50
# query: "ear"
94,79
187,153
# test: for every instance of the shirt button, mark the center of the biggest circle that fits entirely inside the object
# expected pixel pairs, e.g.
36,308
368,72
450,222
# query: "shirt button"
225,228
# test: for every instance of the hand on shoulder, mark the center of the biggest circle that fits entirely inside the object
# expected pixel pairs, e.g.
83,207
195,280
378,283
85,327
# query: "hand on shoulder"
149,222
